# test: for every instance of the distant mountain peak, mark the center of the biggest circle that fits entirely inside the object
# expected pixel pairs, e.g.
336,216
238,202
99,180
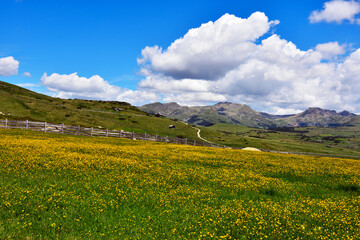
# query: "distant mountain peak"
346,113
229,104
224,103
315,116
172,104
319,111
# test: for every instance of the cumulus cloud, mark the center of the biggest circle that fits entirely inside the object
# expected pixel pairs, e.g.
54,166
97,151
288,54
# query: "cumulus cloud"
225,61
210,50
8,66
167,84
331,50
337,11
95,87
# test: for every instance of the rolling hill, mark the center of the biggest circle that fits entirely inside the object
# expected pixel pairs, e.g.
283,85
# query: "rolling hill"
17,103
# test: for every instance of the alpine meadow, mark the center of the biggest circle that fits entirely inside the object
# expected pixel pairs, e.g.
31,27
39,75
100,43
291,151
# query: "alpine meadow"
72,187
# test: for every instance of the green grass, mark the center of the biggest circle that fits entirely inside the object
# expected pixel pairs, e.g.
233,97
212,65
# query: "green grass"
344,141
71,187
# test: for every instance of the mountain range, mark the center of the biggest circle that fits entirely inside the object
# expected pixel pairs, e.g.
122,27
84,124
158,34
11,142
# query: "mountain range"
241,114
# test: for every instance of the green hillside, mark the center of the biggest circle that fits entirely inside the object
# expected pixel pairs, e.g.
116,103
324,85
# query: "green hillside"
337,141
20,104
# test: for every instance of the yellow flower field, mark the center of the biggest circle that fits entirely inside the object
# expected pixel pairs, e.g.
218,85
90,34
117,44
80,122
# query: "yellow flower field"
70,187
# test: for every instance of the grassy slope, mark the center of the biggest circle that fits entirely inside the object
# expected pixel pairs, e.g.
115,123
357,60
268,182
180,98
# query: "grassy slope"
345,140
70,187
23,104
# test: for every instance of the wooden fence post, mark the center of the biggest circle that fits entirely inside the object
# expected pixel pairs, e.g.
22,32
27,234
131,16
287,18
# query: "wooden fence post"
78,130
91,131
107,132
144,136
156,137
185,141
27,124
44,126
133,136
194,142
6,123
62,128
119,134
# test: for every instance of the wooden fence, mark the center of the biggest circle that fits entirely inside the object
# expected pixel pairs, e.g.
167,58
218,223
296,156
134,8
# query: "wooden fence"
90,131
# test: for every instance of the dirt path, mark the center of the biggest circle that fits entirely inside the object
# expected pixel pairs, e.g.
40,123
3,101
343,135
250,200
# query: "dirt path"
198,133
199,136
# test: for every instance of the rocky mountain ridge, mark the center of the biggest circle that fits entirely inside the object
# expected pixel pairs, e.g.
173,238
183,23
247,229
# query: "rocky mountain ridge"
241,114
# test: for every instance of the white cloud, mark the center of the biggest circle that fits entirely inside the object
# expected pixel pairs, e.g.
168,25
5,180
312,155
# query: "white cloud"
167,84
210,50
331,49
75,84
217,62
8,66
337,11
281,111
191,99
95,87
27,74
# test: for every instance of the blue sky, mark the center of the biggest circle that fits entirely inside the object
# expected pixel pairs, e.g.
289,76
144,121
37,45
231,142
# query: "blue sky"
103,42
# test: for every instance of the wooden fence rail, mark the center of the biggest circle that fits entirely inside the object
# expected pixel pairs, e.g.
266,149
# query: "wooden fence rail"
90,131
